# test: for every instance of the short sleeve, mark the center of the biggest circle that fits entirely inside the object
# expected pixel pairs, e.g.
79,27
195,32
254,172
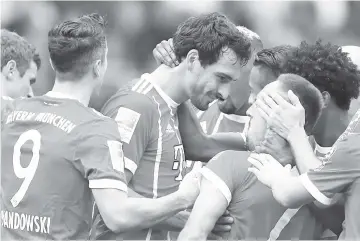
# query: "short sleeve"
226,171
135,115
99,155
340,169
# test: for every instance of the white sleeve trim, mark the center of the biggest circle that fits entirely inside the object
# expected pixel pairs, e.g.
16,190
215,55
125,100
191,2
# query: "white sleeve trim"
108,183
217,182
130,165
314,191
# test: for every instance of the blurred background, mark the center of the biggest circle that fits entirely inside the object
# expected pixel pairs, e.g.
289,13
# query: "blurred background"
136,27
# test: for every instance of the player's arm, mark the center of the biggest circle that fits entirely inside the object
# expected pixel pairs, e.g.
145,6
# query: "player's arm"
305,158
101,161
220,178
135,115
198,145
209,206
121,213
322,184
175,223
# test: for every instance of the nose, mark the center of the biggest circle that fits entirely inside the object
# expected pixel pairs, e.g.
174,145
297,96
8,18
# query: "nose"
223,92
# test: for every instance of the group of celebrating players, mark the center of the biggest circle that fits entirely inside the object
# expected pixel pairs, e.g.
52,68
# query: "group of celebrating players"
224,140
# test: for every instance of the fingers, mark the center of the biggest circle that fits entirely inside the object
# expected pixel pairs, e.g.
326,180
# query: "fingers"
226,213
270,102
158,57
270,159
255,171
213,236
264,108
170,51
293,98
279,100
173,56
256,163
161,51
221,228
225,220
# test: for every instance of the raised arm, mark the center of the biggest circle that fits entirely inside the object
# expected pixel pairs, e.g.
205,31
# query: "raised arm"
200,146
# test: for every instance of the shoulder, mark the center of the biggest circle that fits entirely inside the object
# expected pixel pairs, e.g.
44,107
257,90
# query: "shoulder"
231,160
131,100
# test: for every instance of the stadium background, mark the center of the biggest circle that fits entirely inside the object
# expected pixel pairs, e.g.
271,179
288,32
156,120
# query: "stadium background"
134,28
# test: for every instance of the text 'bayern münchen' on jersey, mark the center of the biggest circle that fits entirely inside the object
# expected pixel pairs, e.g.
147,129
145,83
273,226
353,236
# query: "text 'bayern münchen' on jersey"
148,124
54,149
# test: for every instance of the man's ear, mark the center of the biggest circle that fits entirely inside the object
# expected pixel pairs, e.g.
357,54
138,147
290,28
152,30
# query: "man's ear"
192,60
9,69
96,68
326,98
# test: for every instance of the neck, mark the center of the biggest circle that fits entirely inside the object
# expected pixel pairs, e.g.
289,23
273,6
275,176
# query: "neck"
331,125
172,82
79,90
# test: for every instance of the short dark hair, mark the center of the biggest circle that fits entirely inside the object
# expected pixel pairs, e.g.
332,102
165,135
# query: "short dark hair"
309,96
328,68
256,42
209,34
274,58
14,47
75,44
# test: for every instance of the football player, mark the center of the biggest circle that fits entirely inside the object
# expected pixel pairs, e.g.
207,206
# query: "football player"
19,65
212,54
58,154
339,172
226,183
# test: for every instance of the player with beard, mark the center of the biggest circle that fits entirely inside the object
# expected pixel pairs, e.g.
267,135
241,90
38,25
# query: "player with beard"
226,183
212,54
71,153
266,69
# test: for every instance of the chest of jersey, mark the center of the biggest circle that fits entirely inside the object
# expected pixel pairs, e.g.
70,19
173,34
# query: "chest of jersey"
161,168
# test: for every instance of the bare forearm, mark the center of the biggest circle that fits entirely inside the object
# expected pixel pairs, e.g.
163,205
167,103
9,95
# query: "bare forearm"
140,213
175,223
199,146
191,234
304,155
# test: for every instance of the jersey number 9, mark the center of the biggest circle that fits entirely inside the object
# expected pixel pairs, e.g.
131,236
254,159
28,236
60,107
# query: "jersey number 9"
26,173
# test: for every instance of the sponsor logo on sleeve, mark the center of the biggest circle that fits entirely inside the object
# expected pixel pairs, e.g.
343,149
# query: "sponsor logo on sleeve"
127,120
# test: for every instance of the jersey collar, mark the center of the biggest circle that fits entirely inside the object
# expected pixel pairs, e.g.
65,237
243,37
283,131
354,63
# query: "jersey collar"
163,95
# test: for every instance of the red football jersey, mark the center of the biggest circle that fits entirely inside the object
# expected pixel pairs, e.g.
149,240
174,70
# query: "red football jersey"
256,213
154,154
54,150
340,173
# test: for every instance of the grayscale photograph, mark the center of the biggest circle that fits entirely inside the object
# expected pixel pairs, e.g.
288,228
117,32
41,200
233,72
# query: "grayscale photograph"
180,120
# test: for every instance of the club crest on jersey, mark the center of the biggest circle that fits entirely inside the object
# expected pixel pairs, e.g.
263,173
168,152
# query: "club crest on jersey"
127,120
169,129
